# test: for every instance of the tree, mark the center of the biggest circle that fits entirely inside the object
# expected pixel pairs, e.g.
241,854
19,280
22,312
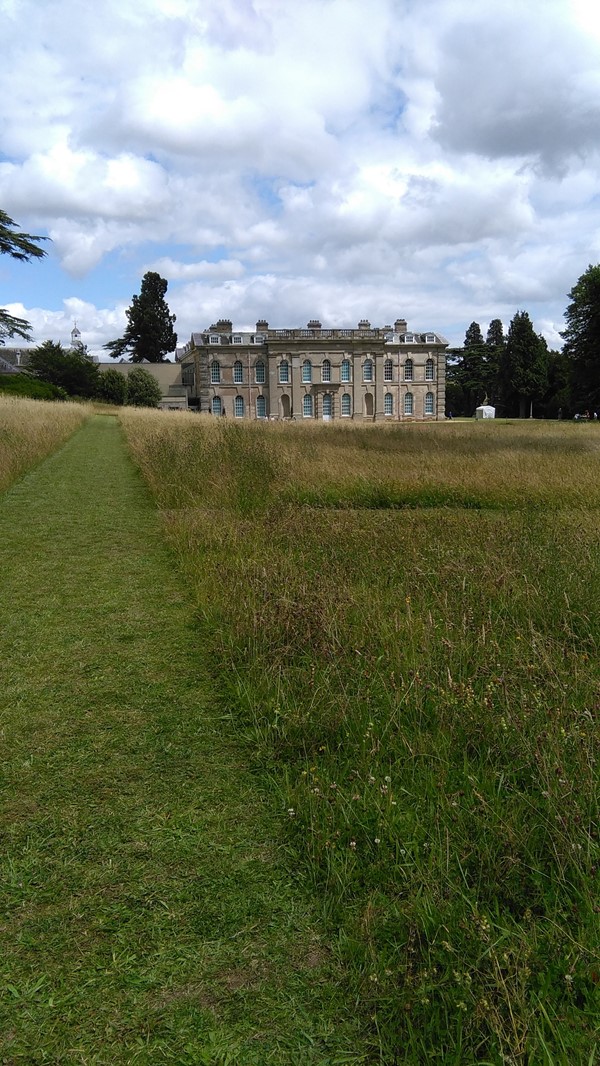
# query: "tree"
582,338
142,389
112,386
68,369
526,362
21,246
149,334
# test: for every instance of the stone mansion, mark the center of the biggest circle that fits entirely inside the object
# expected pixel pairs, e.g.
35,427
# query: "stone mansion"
372,374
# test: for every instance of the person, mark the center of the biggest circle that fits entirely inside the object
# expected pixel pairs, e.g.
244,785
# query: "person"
559,413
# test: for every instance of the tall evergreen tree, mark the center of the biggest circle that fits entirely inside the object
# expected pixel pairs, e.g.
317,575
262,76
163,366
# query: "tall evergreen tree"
149,334
582,337
526,362
21,246
473,371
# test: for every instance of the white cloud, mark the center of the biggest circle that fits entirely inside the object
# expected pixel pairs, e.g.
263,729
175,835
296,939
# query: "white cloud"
433,160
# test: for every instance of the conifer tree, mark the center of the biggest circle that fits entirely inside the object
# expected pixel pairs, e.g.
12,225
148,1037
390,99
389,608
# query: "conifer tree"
526,362
149,334
22,246
582,337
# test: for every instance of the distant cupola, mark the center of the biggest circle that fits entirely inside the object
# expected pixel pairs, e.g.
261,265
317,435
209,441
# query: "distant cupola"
76,341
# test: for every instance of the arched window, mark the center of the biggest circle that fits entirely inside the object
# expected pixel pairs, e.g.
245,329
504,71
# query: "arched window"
408,403
345,375
368,370
388,370
284,372
307,406
327,405
346,405
388,404
217,406
429,370
307,371
261,407
215,372
326,371
429,403
238,408
408,370
259,373
238,372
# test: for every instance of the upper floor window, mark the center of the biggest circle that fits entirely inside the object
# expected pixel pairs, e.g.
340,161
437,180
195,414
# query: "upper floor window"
408,370
430,338
429,403
238,372
368,370
345,374
429,370
388,370
236,339
284,372
187,375
215,373
214,339
259,373
326,370
307,405
307,371
261,407
409,338
408,403
388,404
238,407
346,404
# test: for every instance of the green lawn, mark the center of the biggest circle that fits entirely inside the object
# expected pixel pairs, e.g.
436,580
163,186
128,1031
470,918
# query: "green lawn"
147,914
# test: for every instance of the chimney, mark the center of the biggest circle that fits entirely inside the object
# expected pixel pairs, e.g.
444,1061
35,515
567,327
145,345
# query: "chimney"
400,325
314,324
262,326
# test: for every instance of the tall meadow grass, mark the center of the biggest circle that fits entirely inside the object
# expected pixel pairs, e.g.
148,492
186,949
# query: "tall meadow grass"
404,623
32,429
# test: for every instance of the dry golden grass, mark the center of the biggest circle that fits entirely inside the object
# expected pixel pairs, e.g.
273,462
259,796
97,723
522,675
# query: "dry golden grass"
32,429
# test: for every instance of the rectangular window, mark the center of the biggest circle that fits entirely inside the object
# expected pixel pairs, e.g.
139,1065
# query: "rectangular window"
237,340
345,375
213,339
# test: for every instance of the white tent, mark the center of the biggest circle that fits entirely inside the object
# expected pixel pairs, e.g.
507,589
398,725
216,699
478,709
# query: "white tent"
485,411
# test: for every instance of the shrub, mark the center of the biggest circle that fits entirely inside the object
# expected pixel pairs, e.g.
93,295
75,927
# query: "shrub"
142,389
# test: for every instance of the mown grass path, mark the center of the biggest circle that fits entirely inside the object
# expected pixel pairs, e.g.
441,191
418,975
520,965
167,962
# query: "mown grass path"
146,916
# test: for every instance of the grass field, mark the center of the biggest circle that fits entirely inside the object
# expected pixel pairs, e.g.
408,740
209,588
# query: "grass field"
147,912
403,624
30,430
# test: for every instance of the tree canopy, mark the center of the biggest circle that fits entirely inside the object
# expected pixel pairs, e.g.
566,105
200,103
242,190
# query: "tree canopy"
68,369
142,389
149,334
23,246
582,337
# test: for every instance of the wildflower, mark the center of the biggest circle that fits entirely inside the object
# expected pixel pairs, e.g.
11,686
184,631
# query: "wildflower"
353,844
291,812
377,840
374,978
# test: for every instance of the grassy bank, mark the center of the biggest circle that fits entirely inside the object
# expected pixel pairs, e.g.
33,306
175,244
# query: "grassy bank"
32,429
404,624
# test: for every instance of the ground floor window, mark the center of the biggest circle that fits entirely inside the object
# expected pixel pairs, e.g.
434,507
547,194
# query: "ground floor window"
388,404
307,406
261,407
408,403
327,405
429,404
239,407
217,406
346,405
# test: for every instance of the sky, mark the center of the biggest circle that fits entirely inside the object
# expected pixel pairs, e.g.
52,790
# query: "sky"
433,160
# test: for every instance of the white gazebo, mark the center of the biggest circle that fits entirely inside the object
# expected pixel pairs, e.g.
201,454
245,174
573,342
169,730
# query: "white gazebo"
485,410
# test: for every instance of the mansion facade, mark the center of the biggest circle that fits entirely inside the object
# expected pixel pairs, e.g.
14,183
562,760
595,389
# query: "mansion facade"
369,374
